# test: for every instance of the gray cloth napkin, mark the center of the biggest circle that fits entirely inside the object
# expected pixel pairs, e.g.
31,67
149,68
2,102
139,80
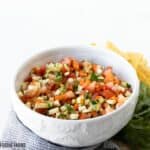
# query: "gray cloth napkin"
15,132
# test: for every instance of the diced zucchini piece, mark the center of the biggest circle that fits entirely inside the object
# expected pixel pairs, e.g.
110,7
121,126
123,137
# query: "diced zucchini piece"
56,103
53,111
111,101
41,105
74,116
63,108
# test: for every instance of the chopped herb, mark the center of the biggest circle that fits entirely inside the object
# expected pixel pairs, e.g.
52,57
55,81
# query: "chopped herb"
94,102
128,85
94,77
87,95
75,87
50,105
95,105
62,89
23,86
62,116
69,108
58,76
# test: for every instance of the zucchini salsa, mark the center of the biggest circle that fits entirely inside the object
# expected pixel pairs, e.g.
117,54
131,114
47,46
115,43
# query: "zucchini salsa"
73,89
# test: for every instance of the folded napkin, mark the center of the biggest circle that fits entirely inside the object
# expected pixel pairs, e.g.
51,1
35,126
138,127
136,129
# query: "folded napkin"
15,132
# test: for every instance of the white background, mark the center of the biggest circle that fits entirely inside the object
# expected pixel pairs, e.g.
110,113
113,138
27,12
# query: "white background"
27,27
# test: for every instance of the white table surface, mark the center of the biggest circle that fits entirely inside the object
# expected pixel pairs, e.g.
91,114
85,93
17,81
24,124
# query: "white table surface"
27,27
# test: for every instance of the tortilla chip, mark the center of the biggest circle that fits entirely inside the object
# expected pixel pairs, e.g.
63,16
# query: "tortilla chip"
137,60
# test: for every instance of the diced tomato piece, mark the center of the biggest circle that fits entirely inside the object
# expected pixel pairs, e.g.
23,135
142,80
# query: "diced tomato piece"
84,83
69,87
64,80
60,97
72,75
67,60
94,67
51,86
105,87
98,87
43,90
42,70
84,116
116,80
91,86
114,98
75,64
39,70
69,94
28,79
63,69
65,96
103,111
75,106
107,70
82,73
24,98
107,93
94,114
108,75
95,95
41,110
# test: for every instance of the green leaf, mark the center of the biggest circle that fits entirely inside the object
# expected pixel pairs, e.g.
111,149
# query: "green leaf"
137,132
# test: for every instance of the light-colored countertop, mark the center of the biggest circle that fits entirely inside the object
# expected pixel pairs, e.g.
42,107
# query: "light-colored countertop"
26,29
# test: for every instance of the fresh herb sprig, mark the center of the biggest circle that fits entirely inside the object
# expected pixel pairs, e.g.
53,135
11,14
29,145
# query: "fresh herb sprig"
137,132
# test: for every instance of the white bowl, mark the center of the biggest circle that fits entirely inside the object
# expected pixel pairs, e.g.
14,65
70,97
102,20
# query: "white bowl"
77,133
